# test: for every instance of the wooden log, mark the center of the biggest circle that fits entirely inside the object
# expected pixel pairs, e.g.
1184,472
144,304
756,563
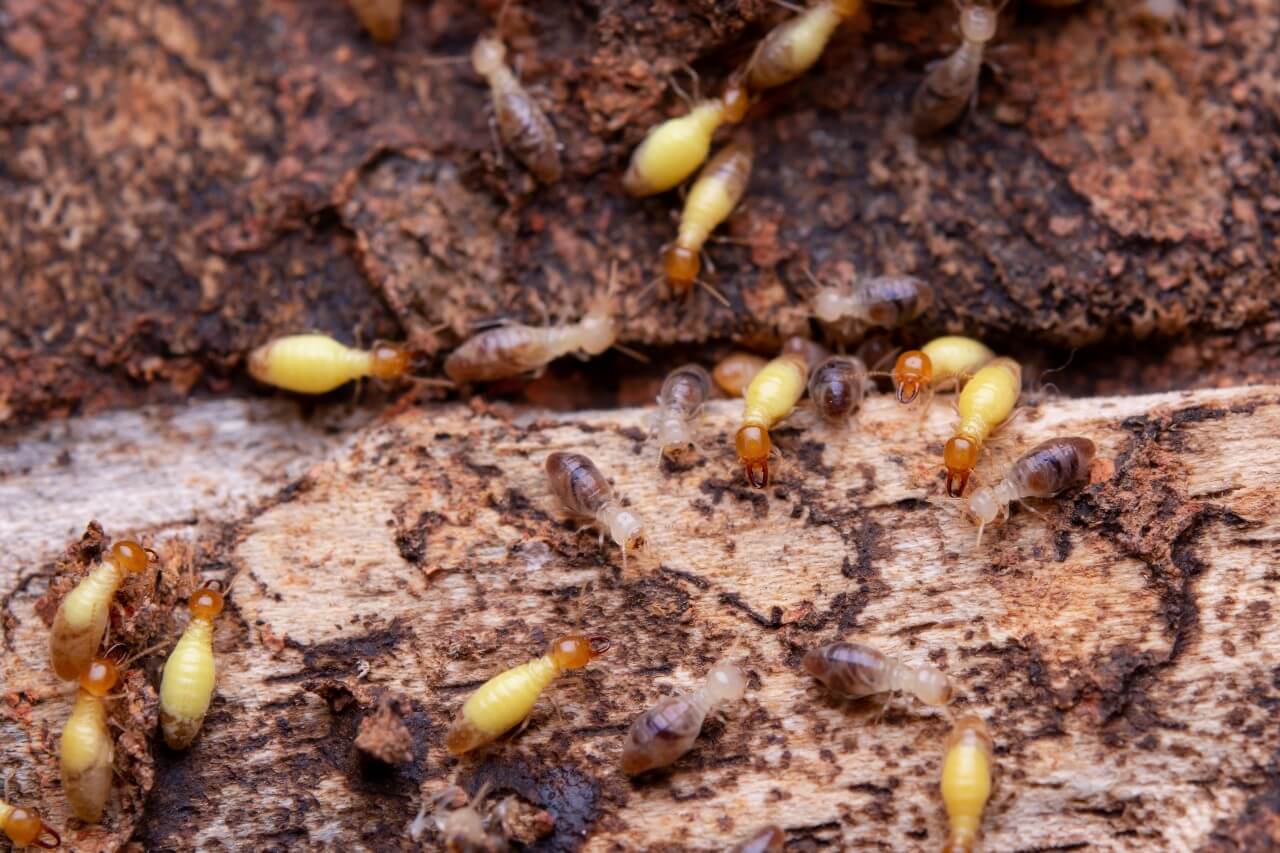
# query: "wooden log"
1122,643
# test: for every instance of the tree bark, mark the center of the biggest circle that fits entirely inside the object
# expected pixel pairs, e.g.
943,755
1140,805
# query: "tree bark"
1121,641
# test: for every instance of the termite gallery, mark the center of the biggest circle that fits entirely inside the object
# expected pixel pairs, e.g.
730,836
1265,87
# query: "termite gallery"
667,730
985,403
683,394
186,686
953,83
87,751
522,125
580,487
24,828
317,364
853,671
502,702
949,359
1043,471
966,782
81,620
771,396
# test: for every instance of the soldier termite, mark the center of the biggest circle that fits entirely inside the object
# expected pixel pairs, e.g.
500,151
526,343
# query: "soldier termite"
380,17
792,47
735,371
81,620
837,387
854,670
952,83
951,358
683,394
502,702
886,301
966,782
986,402
712,197
766,839
580,487
317,364
1042,472
24,828
667,730
190,673
675,148
771,396
86,751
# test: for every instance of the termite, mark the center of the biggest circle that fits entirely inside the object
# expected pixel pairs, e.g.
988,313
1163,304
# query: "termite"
886,301
770,397
380,17
87,751
1045,470
502,702
186,686
712,197
683,394
735,371
791,48
952,83
675,148
522,125
667,730
580,487
986,401
81,620
766,839
317,364
24,828
463,828
854,671
951,358
966,782
837,387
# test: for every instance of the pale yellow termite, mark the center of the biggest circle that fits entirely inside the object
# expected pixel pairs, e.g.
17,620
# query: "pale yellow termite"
984,404
81,620
771,396
522,125
952,84
502,702
792,47
675,148
186,686
87,751
951,358
24,828
713,196
317,364
966,782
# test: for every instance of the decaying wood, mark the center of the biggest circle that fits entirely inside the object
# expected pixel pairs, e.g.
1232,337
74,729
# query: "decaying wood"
1122,642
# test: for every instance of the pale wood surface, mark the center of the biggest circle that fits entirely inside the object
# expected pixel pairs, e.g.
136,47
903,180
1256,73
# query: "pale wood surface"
1123,646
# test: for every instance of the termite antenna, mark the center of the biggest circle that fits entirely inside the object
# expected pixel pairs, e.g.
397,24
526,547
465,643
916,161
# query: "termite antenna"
635,354
720,297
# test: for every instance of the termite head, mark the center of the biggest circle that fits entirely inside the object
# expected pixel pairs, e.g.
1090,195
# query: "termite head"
25,829
488,55
913,371
205,603
574,651
99,677
960,456
829,305
735,101
129,556
983,507
626,529
675,438
681,266
978,22
726,683
753,445
388,361
599,329
932,686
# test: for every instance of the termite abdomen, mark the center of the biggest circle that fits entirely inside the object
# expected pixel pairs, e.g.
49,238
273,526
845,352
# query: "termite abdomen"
837,387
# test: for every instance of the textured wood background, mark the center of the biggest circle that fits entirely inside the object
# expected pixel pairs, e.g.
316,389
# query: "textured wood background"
1123,646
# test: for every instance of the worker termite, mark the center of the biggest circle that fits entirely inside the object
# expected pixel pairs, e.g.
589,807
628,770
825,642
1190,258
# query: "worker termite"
24,828
952,83
792,47
667,730
580,487
771,396
951,358
317,364
186,686
887,301
683,394
966,782
81,620
463,827
502,702
1042,472
766,839
853,670
735,371
986,401
87,751
712,197
522,125
837,387
675,148
380,17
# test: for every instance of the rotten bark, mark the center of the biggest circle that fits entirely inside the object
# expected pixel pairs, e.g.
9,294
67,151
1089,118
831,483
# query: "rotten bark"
1121,643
